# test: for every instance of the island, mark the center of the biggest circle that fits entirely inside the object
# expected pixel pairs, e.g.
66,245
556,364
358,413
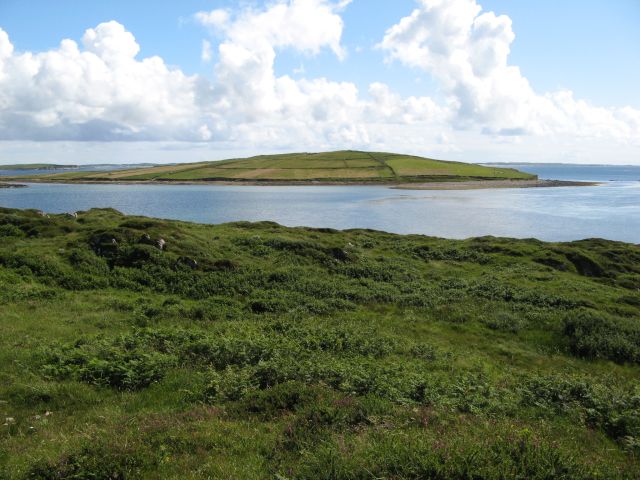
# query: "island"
136,347
36,166
329,168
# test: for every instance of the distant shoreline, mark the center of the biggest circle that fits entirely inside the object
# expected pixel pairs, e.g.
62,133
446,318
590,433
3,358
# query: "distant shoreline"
442,185
497,184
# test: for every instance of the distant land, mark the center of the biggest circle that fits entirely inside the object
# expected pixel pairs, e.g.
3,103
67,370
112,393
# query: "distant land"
548,164
36,166
91,167
354,167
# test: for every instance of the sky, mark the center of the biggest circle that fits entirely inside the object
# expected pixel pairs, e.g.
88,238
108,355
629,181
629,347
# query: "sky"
470,80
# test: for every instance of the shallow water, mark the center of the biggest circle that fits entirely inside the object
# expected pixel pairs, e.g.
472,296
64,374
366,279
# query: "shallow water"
558,214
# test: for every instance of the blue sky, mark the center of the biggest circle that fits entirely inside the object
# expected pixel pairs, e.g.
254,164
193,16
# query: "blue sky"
588,47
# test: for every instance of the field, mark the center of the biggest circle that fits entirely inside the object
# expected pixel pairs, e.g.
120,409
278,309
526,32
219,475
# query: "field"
141,348
346,166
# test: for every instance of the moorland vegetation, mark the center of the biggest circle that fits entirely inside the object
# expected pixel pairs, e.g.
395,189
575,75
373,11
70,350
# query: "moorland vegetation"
134,347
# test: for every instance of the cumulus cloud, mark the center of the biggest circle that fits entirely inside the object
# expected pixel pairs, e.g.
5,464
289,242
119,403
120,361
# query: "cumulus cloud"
467,51
206,54
216,18
100,90
289,111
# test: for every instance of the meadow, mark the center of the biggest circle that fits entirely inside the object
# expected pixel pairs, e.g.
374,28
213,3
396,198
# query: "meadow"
135,347
343,166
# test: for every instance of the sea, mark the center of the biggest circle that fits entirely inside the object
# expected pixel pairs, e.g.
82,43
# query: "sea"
610,210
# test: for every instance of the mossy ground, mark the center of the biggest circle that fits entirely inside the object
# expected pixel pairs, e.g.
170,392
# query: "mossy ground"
258,351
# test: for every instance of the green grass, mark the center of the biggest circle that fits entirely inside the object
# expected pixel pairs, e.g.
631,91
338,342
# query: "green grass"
345,166
251,350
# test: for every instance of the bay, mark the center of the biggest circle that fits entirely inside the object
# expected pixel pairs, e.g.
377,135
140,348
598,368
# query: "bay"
610,210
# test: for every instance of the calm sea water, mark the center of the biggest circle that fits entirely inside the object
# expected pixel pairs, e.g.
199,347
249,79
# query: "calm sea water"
608,211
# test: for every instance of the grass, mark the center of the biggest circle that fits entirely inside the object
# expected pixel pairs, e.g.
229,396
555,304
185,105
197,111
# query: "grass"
345,166
251,350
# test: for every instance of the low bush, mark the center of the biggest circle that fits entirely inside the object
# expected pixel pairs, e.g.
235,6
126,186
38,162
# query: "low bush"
505,321
596,335
9,230
613,409
123,365
281,398
95,462
518,455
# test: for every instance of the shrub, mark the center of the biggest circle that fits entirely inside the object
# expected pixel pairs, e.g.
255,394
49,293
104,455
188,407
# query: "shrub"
596,335
96,462
285,397
505,322
424,351
518,456
124,367
9,230
233,383
613,409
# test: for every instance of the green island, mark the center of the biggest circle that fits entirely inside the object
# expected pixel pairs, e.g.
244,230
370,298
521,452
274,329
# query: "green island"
135,347
36,166
331,167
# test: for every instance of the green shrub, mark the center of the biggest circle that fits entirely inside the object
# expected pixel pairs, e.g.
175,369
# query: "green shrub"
595,335
424,351
281,398
232,383
505,321
613,409
9,230
95,462
122,366
518,456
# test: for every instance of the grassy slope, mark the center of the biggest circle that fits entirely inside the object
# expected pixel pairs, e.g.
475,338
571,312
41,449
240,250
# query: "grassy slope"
331,166
311,353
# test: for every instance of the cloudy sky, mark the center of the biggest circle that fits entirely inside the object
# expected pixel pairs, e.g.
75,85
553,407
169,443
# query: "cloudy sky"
472,80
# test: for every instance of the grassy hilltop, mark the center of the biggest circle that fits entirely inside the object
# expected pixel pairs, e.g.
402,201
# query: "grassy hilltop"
140,348
346,166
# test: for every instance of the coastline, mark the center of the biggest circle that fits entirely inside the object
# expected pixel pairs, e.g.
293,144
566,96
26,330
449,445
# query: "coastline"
496,184
450,185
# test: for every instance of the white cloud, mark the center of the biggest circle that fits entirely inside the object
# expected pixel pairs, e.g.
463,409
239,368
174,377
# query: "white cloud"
206,54
101,90
264,109
216,18
305,25
467,52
